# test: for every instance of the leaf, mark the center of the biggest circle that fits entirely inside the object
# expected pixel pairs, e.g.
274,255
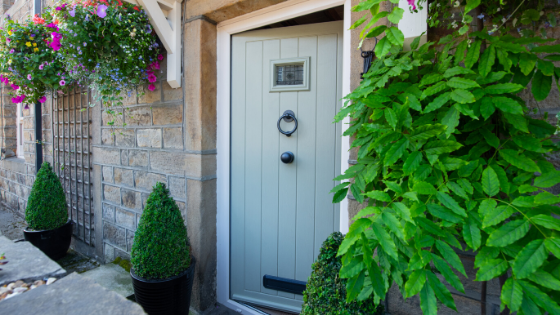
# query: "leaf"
352,269
471,4
486,206
490,183
527,63
353,235
374,272
396,15
429,226
393,224
426,131
428,302
395,152
415,282
498,215
452,164
395,36
438,102
447,273
385,240
490,138
456,71
529,259
471,234
473,54
512,294
444,213
450,203
547,221
441,146
423,188
545,279
487,107
430,79
462,96
366,212
461,83
451,120
458,190
519,161
441,291
517,121
487,61
340,195
376,31
546,49
541,85
508,233
379,195
529,307
451,257
434,89
553,245
546,198
528,143
540,298
382,47
503,58
412,162
354,286
508,105
503,88
491,269
403,210
391,117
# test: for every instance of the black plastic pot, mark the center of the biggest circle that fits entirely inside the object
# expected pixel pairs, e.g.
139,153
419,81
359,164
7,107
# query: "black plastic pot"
171,296
54,243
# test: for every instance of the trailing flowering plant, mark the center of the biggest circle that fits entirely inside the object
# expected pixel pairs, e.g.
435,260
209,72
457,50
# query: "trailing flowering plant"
450,159
29,64
108,43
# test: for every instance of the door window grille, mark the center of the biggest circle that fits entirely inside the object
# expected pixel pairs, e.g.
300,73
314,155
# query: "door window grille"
289,74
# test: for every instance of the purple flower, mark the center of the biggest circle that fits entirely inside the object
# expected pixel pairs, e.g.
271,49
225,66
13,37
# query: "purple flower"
102,11
62,83
58,8
29,77
8,40
72,12
26,106
42,99
41,67
87,18
12,51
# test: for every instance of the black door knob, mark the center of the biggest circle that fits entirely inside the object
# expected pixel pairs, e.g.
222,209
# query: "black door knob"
287,157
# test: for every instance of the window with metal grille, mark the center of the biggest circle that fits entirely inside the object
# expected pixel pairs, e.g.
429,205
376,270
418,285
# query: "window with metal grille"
289,74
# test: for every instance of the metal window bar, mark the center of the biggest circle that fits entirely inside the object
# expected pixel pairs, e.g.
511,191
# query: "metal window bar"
68,157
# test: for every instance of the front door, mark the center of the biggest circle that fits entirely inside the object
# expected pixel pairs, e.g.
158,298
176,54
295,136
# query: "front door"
281,211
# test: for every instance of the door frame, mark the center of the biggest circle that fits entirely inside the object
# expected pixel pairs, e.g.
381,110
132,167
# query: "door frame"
276,13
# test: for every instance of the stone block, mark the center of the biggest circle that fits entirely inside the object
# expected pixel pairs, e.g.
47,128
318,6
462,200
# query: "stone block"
108,212
131,199
123,177
177,187
138,158
126,219
114,119
170,94
168,162
146,181
125,138
114,234
109,253
107,136
124,157
149,96
173,138
149,138
138,116
144,199
168,114
106,156
112,194
108,174
129,240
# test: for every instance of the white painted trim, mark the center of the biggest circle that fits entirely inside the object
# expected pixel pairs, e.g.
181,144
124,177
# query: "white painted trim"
413,24
269,15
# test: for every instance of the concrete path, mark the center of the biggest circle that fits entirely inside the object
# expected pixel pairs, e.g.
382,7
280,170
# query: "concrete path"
26,262
11,225
112,277
71,295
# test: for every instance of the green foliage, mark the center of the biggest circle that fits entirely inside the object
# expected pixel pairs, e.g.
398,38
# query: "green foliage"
160,248
325,292
125,264
449,155
46,206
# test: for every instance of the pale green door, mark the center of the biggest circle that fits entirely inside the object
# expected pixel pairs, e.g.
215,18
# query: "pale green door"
281,213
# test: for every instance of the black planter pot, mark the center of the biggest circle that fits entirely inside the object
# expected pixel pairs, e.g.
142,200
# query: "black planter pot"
171,296
54,243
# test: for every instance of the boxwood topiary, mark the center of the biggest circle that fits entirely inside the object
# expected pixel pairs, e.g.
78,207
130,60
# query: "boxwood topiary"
46,206
325,292
160,248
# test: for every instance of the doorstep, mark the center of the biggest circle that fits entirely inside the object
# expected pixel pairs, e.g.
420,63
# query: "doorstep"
112,277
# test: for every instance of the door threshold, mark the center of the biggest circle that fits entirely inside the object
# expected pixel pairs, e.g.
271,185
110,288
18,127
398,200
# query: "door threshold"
263,310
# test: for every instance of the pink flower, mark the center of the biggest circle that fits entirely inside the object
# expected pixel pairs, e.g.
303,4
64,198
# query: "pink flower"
62,83
42,99
411,2
152,78
160,57
15,87
8,40
29,77
55,44
155,65
102,11
41,67
151,87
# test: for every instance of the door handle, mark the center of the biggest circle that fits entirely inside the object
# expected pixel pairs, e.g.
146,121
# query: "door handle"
288,116
287,157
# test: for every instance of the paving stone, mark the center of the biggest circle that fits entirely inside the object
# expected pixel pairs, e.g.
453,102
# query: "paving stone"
112,277
71,295
27,263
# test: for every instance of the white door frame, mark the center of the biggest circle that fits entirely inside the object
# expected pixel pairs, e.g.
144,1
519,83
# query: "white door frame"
276,13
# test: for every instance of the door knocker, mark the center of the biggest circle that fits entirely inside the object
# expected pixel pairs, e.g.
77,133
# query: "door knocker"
288,116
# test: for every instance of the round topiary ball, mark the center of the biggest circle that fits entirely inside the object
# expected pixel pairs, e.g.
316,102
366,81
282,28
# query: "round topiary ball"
46,206
160,248
325,292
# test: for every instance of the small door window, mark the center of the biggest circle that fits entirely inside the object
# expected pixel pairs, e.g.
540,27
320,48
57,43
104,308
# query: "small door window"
289,74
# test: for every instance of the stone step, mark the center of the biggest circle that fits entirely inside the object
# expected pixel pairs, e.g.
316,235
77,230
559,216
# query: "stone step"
112,277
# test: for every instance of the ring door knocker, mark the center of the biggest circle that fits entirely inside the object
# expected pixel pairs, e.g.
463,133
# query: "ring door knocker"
288,116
